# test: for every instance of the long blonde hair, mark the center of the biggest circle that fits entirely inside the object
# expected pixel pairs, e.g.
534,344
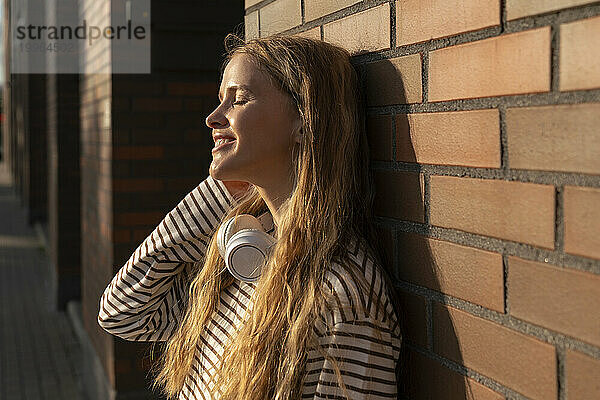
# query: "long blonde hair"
330,205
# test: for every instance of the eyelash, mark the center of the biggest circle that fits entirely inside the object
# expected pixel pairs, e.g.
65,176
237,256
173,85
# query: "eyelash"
239,102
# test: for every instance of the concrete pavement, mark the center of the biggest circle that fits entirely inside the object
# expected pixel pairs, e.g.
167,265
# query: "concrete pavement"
39,353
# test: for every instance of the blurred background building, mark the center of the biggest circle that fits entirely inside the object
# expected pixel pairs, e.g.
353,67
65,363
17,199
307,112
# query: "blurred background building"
98,159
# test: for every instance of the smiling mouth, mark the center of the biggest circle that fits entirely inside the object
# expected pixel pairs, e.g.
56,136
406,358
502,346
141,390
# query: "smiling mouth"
222,143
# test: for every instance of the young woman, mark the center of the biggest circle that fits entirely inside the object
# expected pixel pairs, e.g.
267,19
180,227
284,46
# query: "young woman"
318,320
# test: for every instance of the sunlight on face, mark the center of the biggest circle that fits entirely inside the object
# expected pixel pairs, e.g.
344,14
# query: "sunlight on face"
252,127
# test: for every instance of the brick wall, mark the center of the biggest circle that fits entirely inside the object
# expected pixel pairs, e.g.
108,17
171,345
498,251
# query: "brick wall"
483,122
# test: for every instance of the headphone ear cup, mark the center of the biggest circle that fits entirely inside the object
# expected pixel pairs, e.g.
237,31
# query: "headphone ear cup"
244,245
246,253
232,226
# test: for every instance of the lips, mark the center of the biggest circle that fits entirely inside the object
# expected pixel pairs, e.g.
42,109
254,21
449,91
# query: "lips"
222,141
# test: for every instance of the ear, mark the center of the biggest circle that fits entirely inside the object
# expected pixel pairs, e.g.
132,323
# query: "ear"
297,132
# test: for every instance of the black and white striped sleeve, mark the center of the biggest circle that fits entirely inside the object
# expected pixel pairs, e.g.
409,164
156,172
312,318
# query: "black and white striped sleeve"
144,299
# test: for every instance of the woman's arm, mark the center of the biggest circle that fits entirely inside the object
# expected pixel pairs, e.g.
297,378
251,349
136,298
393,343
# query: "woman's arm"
145,299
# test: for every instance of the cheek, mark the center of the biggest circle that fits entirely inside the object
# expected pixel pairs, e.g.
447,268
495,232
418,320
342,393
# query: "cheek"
263,131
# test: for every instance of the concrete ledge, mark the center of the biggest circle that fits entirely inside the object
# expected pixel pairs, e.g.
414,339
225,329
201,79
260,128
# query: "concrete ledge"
95,382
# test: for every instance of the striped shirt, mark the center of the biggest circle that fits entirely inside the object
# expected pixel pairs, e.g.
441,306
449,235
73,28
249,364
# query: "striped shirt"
144,302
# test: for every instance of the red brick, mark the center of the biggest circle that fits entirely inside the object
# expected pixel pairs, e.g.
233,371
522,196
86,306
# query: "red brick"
394,81
193,89
279,16
379,131
545,295
583,376
510,64
251,25
520,362
413,315
124,120
466,138
121,235
314,9
126,185
362,32
314,33
582,221
555,138
122,366
149,136
517,211
138,218
250,3
519,8
470,274
162,104
182,185
426,379
137,152
137,88
399,195
194,105
580,55
418,21
140,234
196,136
121,103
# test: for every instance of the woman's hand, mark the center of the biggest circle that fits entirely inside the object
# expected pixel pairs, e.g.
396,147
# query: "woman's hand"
236,188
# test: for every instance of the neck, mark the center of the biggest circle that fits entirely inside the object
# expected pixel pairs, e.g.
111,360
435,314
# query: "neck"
274,196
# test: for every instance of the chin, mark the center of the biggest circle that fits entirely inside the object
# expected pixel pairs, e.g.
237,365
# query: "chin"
223,173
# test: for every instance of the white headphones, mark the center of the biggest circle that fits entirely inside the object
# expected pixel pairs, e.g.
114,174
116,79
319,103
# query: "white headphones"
244,245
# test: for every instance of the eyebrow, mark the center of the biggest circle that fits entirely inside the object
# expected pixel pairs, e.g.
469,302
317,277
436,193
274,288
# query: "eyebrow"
239,87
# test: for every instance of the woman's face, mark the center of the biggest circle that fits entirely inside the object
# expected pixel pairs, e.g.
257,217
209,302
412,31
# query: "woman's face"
252,128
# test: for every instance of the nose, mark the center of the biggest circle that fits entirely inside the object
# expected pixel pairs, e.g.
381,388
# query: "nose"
216,119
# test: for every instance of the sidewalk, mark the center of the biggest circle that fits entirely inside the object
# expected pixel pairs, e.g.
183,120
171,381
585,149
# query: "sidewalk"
39,354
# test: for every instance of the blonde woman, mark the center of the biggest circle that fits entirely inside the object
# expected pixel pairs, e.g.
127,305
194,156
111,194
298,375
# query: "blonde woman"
318,321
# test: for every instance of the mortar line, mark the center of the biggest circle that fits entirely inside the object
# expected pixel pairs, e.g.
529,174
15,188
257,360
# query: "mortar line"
258,17
465,371
395,254
560,372
429,322
393,18
505,283
508,100
502,16
544,334
503,246
258,6
555,58
559,225
426,197
394,129
425,76
504,161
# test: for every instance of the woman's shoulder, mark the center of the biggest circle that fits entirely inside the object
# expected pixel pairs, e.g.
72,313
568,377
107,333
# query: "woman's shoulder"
358,289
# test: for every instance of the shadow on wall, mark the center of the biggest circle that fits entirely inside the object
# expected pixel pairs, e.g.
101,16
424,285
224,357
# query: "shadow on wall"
399,195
